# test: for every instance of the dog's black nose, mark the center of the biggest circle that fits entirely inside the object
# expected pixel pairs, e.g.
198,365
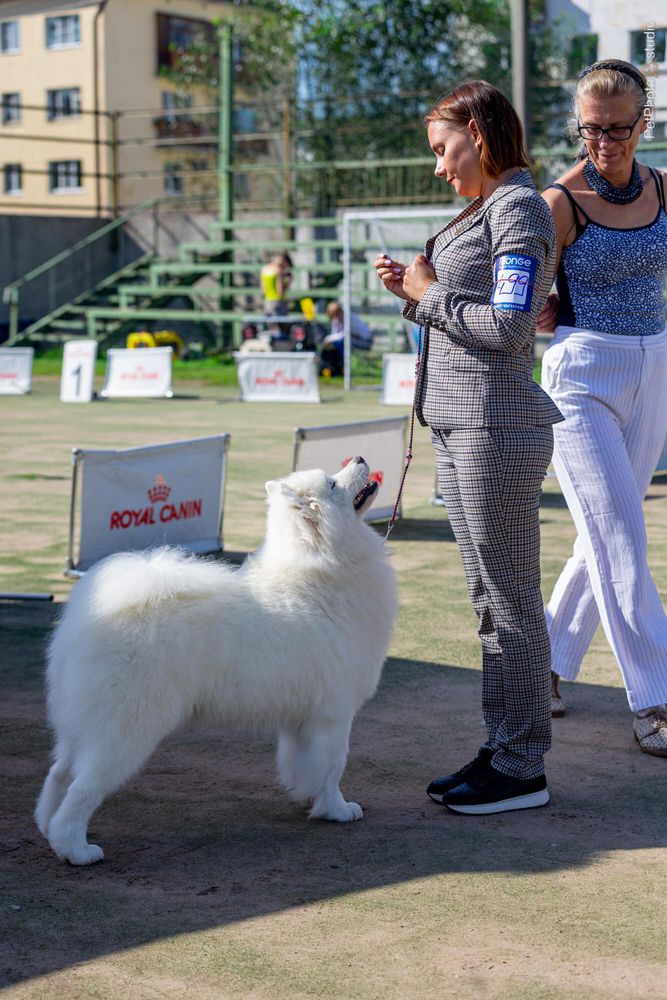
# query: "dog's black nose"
358,460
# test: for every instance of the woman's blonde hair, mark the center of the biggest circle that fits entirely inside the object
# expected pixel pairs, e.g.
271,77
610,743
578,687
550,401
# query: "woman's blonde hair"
605,80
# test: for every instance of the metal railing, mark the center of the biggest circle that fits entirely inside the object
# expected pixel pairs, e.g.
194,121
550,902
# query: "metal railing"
77,270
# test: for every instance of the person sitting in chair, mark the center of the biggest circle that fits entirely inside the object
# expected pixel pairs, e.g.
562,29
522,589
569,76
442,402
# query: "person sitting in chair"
333,345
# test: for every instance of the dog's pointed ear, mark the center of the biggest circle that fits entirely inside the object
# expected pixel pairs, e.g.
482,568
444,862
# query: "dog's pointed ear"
275,486
272,487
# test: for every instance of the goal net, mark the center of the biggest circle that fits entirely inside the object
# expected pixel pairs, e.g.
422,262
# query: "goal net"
401,233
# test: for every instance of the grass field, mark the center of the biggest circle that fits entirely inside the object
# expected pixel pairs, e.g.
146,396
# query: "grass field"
215,886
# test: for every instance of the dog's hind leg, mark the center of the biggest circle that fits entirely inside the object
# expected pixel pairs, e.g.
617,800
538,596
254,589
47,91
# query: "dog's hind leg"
319,762
67,829
96,776
288,745
55,786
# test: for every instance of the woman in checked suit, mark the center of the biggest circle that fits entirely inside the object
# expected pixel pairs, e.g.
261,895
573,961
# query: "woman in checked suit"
477,292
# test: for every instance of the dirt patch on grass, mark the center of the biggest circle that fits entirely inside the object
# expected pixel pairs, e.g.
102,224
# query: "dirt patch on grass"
214,878
215,885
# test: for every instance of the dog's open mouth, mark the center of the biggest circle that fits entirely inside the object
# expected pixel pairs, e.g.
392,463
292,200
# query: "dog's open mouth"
364,494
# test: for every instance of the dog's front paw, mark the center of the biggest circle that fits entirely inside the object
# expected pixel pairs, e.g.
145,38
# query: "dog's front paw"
345,812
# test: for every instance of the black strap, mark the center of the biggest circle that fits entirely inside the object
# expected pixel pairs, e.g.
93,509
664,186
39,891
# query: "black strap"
576,208
661,191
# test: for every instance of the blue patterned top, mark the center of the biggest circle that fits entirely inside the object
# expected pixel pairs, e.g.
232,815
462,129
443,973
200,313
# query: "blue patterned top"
611,280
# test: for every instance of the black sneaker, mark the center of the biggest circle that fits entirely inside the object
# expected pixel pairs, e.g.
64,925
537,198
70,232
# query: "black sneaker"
440,786
489,791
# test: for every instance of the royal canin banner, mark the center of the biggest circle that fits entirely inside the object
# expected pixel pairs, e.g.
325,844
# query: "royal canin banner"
380,442
170,494
277,377
398,379
16,370
138,372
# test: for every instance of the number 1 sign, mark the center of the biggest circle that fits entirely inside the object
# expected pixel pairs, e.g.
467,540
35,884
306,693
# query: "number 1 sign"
76,379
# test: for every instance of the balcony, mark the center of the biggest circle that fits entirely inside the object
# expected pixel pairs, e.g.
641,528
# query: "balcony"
185,129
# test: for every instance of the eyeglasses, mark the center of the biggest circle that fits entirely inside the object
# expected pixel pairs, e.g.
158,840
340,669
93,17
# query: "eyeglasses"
618,133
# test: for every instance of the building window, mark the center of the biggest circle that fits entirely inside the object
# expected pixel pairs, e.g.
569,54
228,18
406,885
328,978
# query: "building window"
179,34
63,32
9,36
13,178
63,103
173,178
65,175
659,133
582,52
640,42
11,108
173,99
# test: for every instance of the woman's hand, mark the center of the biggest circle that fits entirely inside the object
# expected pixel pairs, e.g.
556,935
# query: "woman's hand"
418,276
547,318
391,275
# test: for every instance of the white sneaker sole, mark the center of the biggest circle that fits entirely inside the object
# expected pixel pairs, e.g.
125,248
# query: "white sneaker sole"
531,801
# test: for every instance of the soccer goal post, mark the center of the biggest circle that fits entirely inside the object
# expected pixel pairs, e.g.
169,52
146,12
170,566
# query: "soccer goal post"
399,232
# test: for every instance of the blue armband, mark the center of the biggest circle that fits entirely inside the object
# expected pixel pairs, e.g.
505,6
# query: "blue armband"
514,280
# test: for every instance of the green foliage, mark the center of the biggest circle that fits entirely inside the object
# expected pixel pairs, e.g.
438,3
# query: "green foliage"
264,50
360,75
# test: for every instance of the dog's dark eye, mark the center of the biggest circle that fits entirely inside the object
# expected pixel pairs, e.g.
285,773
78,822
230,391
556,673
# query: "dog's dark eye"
333,485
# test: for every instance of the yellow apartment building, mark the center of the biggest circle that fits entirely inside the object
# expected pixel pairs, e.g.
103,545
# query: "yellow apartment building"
83,100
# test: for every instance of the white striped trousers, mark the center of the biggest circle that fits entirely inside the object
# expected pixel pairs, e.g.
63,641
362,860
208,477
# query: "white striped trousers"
612,391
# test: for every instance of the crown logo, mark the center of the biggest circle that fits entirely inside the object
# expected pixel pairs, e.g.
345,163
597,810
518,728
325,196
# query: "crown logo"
159,490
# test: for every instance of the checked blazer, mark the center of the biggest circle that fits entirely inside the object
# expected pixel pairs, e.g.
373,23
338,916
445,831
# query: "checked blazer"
476,367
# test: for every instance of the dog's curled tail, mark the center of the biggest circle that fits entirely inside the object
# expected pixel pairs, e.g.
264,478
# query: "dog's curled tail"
132,581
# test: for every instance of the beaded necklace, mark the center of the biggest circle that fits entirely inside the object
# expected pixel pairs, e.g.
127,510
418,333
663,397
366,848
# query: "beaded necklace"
606,190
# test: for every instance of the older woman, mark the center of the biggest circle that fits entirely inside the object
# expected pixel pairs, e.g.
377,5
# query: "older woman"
478,297
606,370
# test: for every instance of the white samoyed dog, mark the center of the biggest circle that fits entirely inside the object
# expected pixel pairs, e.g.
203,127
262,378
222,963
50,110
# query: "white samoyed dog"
291,643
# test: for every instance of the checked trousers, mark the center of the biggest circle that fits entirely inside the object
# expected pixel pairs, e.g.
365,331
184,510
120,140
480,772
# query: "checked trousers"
491,481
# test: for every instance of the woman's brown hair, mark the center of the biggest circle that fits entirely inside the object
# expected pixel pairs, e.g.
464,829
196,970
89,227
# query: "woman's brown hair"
497,122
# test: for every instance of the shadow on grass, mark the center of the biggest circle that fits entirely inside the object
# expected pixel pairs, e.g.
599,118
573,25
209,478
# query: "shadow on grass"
553,501
203,837
419,529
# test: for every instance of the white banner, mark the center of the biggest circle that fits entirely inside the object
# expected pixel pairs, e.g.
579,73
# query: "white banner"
398,379
16,370
78,371
277,376
380,442
138,372
170,494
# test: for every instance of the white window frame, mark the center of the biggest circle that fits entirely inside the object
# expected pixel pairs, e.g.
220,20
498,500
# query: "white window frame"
6,168
174,171
64,21
17,46
6,107
64,168
176,100
660,63
58,112
183,25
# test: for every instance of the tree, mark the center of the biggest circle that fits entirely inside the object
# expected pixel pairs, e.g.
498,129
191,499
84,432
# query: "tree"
361,74
371,67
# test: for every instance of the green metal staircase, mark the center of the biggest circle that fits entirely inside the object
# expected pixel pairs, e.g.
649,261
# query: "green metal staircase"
69,319
66,290
213,283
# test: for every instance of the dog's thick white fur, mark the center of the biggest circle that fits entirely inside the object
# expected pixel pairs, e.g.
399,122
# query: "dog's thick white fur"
291,643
